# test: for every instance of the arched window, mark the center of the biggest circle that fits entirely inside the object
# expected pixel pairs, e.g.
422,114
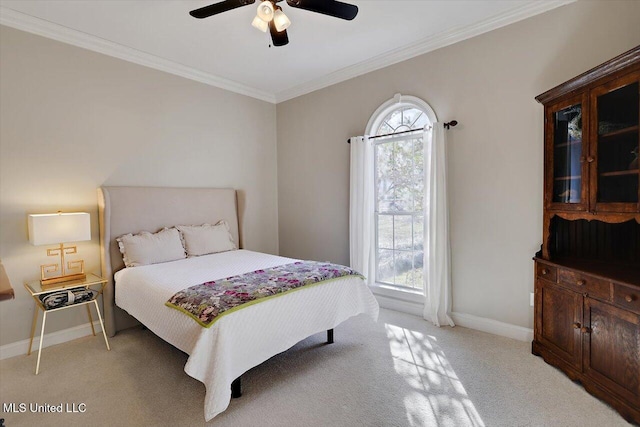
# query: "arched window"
397,132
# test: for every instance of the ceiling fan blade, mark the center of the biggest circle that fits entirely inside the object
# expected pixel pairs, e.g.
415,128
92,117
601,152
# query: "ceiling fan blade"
278,38
223,6
334,8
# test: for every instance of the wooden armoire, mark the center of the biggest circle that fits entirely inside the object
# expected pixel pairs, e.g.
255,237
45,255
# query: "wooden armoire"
587,273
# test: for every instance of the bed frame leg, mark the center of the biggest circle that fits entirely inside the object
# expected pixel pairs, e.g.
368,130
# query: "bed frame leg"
330,336
236,388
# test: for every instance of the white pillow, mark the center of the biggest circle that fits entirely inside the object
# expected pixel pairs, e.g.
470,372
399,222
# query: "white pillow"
147,248
206,238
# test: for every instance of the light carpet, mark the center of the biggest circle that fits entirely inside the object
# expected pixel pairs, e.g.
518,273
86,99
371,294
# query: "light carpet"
400,371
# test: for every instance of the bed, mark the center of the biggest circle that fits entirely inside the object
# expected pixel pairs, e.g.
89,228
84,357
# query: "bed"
237,341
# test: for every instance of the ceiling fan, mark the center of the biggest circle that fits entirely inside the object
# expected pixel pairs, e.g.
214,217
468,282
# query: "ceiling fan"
271,16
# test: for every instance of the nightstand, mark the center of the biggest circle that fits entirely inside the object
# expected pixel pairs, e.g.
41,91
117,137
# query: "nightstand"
50,298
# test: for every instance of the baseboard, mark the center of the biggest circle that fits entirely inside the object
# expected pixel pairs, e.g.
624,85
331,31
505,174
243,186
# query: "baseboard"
21,347
402,306
461,319
492,326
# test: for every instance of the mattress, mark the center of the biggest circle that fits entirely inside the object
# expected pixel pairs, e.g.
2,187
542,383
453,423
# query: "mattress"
238,341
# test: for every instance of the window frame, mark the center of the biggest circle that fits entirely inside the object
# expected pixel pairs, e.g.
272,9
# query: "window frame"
397,102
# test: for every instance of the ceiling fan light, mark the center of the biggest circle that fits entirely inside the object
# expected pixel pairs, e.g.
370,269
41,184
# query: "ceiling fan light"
260,24
281,20
265,10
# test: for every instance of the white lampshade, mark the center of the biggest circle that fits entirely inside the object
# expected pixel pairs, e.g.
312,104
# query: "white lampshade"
47,229
265,10
281,20
260,24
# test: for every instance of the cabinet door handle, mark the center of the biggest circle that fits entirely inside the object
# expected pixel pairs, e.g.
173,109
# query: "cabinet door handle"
580,282
585,330
629,298
576,325
545,271
591,159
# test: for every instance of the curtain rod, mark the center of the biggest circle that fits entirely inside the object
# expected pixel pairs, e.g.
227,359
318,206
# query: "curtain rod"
446,125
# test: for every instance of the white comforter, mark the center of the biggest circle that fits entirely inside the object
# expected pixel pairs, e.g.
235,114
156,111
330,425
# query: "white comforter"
241,340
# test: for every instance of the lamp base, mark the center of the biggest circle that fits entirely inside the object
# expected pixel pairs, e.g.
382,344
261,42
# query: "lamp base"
62,279
78,266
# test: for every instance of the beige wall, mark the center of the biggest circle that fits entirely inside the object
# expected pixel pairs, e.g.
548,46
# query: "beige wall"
488,84
72,120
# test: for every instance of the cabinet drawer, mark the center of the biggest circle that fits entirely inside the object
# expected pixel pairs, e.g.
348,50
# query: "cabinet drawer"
627,297
546,272
583,283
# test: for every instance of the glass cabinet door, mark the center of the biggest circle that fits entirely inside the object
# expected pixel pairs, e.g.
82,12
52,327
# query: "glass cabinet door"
616,179
566,147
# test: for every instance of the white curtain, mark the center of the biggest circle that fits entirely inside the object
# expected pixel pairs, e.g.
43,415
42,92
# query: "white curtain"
361,204
437,253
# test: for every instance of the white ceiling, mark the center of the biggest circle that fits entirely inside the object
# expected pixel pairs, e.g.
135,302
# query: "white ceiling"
226,51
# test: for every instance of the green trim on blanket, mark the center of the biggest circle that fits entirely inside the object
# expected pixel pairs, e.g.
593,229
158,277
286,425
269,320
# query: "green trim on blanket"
255,301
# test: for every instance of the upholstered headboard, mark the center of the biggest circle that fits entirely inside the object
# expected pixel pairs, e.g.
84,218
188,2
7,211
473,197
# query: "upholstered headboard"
125,210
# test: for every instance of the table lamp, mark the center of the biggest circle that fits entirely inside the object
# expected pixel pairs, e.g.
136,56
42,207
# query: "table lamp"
60,228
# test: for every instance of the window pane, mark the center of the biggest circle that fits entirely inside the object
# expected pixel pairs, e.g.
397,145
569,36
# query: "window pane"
386,205
384,170
384,129
421,122
403,180
385,266
418,233
394,119
403,268
418,197
408,267
418,175
402,232
385,231
410,116
417,273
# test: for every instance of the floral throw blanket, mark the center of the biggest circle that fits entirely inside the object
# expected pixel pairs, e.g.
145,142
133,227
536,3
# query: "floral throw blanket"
207,302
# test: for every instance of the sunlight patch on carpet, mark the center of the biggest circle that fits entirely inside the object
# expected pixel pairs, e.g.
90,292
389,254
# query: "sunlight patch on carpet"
438,397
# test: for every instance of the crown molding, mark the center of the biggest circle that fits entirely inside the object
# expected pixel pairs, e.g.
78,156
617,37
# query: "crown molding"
421,47
41,27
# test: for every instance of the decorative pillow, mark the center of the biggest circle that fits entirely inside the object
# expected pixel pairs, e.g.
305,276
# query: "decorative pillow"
207,239
147,248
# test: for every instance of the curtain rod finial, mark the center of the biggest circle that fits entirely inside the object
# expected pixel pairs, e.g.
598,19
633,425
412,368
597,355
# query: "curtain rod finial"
450,124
